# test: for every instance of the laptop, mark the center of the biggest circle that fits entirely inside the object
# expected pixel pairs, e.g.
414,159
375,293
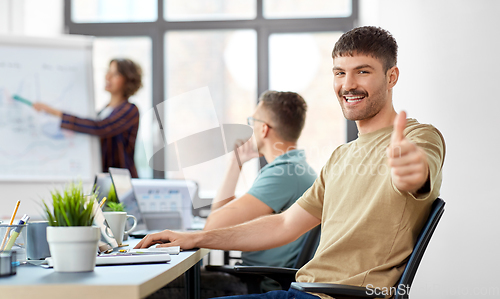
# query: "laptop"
102,185
163,204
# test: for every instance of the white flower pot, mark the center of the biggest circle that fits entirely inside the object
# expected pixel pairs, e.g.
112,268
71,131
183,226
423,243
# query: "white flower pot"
73,248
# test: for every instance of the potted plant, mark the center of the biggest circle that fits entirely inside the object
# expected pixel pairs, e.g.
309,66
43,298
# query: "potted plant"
72,238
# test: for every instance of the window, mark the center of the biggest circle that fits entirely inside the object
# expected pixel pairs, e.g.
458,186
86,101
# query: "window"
228,52
311,77
286,9
230,80
99,11
196,10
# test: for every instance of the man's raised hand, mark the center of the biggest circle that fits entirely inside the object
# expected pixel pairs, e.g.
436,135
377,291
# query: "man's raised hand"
408,162
245,151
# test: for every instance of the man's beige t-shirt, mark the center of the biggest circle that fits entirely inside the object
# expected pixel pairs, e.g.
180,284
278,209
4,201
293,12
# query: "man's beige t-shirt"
369,227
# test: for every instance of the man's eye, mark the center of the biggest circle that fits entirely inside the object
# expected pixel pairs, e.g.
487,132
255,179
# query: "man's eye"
339,73
364,72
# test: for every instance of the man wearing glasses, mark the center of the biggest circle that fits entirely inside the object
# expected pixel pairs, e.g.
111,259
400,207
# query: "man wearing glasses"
277,122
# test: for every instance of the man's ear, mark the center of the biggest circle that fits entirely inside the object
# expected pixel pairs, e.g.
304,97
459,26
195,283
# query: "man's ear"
265,130
393,76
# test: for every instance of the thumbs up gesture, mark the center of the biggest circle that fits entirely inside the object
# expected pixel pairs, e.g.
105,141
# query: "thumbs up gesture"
408,162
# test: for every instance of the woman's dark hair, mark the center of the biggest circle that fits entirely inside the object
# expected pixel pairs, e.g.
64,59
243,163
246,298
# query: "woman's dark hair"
132,73
371,41
288,111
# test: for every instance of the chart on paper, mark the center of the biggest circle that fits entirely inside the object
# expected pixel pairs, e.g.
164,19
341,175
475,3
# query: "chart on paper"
32,144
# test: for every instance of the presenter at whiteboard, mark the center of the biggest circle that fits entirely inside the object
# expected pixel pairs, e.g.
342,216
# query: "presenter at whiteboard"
117,123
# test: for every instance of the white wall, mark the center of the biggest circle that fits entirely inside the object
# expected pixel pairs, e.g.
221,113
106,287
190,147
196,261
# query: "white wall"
32,17
450,77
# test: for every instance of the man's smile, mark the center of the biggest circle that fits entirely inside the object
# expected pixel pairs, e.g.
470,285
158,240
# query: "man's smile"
353,99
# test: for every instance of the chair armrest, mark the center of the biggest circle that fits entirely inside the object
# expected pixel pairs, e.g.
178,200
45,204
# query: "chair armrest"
284,276
225,269
264,270
252,281
337,290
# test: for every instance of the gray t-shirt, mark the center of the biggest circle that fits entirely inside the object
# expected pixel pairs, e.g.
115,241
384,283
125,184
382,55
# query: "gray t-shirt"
278,185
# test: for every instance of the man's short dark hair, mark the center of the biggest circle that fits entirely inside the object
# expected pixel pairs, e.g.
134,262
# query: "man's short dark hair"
371,41
287,110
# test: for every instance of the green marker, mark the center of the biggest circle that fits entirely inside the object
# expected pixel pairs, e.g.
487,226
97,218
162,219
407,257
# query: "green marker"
22,100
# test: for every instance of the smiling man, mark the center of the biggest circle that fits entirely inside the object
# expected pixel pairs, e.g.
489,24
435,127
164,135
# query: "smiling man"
372,196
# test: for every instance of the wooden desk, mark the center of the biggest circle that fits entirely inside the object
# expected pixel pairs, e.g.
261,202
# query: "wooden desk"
120,281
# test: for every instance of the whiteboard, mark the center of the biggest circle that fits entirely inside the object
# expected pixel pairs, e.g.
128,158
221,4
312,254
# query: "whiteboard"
58,72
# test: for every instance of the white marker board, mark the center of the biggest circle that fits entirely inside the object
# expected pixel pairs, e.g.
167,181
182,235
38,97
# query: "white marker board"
58,72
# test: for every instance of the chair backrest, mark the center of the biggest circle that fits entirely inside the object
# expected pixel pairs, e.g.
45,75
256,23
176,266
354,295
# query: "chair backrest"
423,239
309,247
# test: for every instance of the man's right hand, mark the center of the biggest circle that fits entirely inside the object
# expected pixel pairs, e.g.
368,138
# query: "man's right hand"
259,234
245,152
167,238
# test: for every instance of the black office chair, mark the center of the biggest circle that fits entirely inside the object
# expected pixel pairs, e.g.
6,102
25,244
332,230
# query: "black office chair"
253,275
404,283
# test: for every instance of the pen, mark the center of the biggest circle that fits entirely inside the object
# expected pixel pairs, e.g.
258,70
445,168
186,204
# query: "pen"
16,232
10,223
22,100
102,202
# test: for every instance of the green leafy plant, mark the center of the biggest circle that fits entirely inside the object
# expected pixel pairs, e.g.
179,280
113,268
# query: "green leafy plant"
112,194
116,207
71,207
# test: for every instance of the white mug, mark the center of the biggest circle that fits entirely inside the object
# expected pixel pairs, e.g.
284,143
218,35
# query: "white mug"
116,222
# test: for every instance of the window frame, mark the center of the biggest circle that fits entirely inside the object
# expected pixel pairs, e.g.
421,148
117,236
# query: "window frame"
263,27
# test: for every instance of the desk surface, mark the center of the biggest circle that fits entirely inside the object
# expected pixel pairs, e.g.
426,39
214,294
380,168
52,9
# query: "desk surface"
119,281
